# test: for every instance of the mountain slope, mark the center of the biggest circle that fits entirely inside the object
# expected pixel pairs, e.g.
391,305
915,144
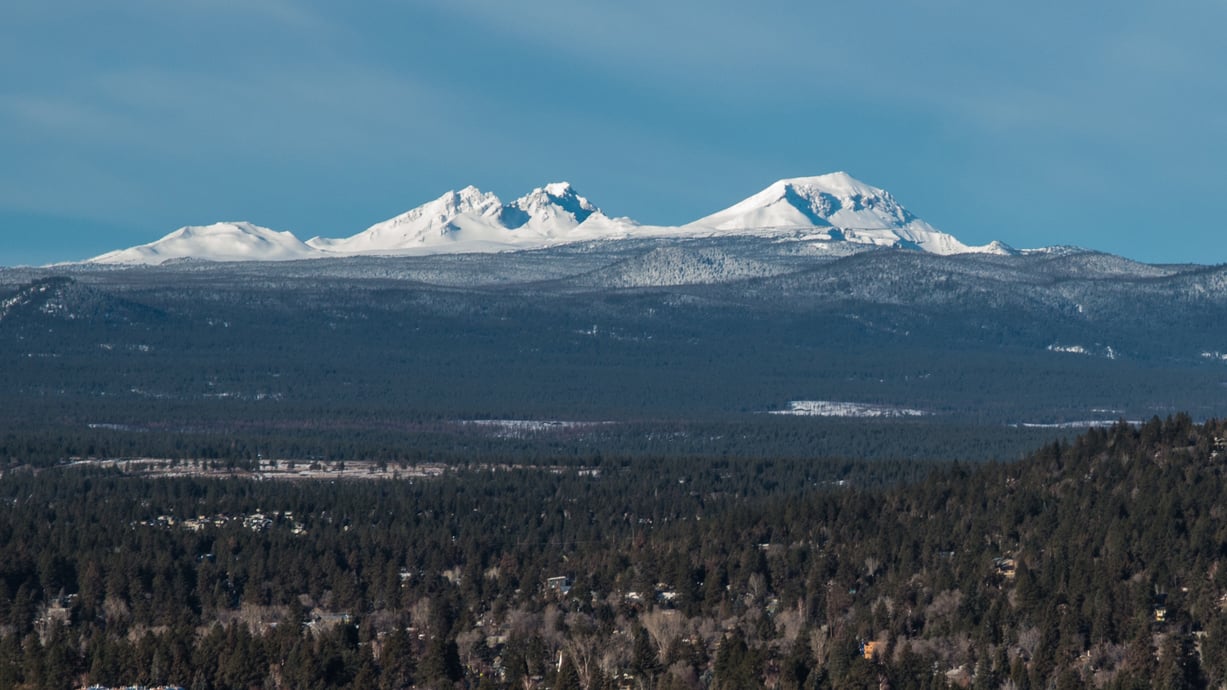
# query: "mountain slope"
680,265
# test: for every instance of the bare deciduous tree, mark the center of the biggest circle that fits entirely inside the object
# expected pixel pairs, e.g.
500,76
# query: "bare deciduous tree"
664,626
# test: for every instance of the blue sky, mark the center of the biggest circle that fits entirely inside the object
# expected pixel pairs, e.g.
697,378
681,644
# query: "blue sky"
1096,124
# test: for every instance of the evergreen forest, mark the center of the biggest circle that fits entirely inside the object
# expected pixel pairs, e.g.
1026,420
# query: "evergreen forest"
1096,561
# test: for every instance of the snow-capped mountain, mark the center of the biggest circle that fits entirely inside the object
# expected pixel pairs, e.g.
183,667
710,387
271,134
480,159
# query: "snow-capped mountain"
235,241
840,207
471,220
829,211
552,209
469,214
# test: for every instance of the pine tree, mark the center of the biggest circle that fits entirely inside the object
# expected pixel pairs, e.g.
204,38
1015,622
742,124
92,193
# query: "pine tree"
396,661
441,662
645,661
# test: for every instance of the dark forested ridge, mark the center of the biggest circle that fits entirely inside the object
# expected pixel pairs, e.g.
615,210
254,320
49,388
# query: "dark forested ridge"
629,332
1096,562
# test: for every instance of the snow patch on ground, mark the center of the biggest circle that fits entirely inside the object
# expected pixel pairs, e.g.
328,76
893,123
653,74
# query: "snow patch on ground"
831,408
1106,351
1081,424
519,428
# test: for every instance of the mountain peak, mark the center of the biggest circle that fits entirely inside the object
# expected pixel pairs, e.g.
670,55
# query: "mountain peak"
226,227
559,189
470,199
836,185
834,206
552,209
834,181
467,209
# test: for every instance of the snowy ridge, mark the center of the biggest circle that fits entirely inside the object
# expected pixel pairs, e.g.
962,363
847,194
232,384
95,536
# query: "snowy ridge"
835,208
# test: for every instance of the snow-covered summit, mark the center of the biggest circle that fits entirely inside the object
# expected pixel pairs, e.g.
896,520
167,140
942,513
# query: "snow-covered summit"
836,199
553,208
470,212
843,208
233,241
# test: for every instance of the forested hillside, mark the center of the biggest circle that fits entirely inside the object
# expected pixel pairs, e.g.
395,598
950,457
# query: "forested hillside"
638,333
1093,563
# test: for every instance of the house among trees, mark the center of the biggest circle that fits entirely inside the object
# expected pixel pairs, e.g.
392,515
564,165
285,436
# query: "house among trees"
1005,567
558,583
321,620
1160,611
55,612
